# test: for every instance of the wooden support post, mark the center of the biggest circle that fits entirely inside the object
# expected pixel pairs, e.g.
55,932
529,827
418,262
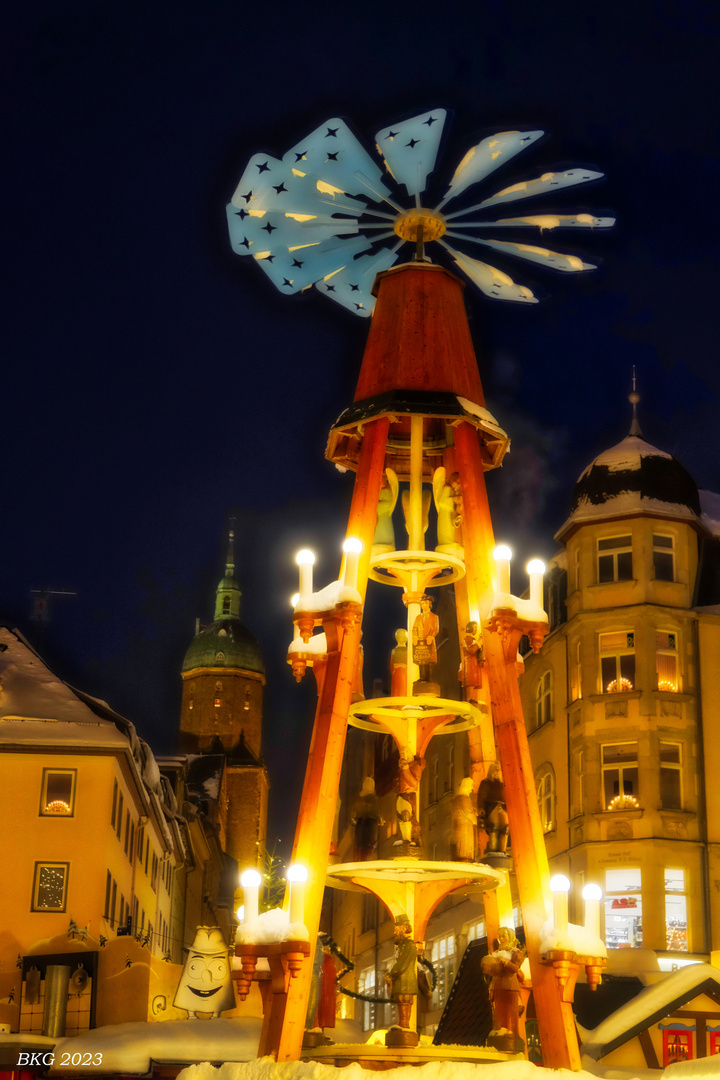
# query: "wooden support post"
322,777
555,1018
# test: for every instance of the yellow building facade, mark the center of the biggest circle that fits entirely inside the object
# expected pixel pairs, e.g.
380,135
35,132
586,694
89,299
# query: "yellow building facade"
621,704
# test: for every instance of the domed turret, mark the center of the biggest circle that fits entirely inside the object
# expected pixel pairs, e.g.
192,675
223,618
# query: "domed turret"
635,476
223,675
632,478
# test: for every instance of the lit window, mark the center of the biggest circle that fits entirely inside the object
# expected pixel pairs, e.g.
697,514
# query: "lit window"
617,662
578,777
191,704
677,1046
676,928
246,706
546,800
443,960
664,558
620,776
50,886
666,659
670,776
366,985
576,673
477,931
543,700
623,908
615,559
58,792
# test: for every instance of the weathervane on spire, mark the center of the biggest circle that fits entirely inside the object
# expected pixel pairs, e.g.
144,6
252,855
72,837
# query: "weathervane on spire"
634,398
314,218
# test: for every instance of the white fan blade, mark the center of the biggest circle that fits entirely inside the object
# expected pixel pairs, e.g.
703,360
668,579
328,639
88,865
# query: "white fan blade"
492,281
332,155
410,148
486,157
352,286
527,189
554,221
558,261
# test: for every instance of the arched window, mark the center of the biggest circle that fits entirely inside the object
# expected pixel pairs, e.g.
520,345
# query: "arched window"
226,605
543,700
546,797
246,706
218,692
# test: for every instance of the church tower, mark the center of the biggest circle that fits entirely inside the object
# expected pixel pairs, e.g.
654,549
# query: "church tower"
223,677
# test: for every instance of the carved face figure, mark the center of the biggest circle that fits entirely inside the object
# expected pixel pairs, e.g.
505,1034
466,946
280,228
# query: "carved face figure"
205,984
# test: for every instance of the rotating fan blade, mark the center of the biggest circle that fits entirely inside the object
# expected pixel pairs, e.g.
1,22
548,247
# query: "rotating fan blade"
352,286
279,233
490,280
555,259
486,157
268,184
331,156
410,148
552,221
527,189
319,260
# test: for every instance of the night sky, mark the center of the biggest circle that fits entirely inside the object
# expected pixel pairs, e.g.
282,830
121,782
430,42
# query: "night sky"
153,382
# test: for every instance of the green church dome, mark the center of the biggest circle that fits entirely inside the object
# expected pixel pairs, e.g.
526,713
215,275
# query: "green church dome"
225,643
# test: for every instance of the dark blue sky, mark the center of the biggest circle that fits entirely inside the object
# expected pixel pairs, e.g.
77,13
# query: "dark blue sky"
152,380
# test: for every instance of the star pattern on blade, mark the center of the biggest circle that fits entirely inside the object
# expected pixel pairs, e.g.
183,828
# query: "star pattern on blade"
327,215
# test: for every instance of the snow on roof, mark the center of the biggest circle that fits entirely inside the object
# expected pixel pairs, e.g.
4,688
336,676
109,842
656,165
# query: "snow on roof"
626,504
39,709
627,455
650,1005
131,1048
697,1067
28,689
710,506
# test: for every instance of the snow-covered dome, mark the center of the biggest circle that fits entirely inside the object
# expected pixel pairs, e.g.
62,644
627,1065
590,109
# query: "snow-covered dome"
630,478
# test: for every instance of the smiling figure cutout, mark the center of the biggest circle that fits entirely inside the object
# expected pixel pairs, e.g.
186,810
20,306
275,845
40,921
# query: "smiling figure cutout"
205,985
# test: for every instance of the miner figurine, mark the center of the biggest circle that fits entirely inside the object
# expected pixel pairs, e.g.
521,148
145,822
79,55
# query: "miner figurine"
402,982
492,814
424,650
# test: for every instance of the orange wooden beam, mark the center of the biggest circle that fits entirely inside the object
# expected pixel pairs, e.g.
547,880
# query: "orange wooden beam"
322,777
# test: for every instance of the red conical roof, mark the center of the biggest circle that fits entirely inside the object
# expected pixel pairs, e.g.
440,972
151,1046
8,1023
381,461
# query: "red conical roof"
419,336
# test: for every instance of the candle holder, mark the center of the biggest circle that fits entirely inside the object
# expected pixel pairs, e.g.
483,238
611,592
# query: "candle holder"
594,967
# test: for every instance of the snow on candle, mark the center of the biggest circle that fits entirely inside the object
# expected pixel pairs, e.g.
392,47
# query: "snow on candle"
559,886
352,548
250,882
502,556
305,560
536,571
297,875
592,895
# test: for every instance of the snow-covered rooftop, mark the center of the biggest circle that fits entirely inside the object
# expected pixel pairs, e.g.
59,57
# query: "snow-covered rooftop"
650,1005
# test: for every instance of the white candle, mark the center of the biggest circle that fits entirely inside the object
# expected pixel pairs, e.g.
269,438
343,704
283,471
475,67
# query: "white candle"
502,556
251,882
559,886
305,560
293,603
297,875
592,895
352,548
536,572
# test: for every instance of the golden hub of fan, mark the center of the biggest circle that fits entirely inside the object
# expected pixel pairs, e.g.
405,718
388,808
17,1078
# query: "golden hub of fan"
407,225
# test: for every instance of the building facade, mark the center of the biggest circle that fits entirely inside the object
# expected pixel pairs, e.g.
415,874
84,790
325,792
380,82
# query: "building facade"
622,705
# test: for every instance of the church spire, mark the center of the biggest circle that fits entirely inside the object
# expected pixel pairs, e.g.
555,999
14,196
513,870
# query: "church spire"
227,603
634,398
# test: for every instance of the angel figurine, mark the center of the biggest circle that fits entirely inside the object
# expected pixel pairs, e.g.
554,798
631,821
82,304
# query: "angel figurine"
384,538
448,503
